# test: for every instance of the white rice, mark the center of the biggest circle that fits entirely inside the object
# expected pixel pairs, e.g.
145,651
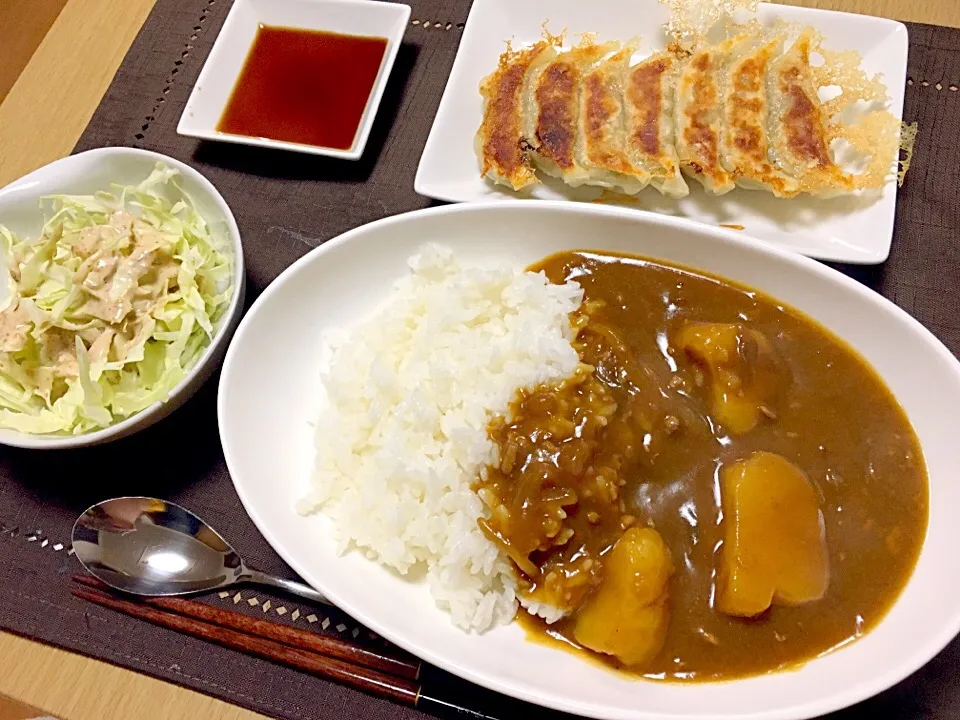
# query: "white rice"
411,392
549,613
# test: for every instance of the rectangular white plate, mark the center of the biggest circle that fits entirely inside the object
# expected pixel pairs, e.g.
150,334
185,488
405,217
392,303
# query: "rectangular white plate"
209,97
845,229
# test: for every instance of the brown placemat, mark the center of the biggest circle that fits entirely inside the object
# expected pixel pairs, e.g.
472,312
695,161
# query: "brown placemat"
286,204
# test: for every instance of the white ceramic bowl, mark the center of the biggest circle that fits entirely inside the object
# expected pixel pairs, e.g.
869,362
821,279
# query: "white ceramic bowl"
270,393
223,66
86,173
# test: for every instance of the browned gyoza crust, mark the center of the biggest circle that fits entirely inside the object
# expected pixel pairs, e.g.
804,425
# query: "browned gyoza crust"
553,106
698,120
742,112
503,155
556,98
648,98
643,92
803,143
603,125
745,146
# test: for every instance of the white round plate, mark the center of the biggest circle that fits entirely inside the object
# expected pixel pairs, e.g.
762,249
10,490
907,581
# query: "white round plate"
270,393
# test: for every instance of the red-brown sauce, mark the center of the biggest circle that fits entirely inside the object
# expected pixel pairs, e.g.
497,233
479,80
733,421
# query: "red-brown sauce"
304,86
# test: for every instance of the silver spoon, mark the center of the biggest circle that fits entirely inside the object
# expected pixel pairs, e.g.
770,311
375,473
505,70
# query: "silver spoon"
146,546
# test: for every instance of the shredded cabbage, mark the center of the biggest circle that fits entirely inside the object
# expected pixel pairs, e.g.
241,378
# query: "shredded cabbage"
110,307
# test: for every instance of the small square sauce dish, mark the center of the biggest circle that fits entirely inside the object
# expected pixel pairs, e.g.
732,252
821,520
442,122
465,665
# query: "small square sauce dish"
300,75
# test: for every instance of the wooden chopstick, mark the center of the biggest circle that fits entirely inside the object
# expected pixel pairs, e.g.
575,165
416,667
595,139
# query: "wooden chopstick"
259,637
400,690
402,667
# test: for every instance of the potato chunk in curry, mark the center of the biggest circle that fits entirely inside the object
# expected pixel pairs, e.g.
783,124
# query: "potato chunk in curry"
682,373
774,550
740,367
627,615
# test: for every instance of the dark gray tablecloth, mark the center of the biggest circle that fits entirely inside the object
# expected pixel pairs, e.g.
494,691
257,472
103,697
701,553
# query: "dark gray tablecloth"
288,203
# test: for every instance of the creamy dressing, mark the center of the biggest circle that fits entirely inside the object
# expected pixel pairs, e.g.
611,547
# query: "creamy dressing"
127,269
111,276
14,324
109,307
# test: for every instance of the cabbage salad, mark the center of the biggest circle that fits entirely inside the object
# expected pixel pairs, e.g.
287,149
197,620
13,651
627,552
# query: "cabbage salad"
109,308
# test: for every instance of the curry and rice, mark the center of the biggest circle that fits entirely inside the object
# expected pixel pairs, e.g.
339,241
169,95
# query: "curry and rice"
667,471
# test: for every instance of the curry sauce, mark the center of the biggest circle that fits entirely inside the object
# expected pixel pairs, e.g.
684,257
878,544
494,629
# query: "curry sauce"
650,438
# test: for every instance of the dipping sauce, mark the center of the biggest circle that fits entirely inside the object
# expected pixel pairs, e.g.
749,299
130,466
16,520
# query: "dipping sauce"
304,86
705,415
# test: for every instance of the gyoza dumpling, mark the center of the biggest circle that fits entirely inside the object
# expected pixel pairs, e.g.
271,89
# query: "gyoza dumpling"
499,144
699,118
650,131
744,145
552,108
799,140
602,138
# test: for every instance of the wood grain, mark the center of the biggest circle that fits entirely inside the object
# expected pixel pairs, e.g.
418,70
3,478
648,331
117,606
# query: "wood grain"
72,687
40,120
23,24
389,687
932,12
14,710
191,617
52,101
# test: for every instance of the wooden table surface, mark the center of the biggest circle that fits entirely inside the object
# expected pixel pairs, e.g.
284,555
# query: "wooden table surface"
43,114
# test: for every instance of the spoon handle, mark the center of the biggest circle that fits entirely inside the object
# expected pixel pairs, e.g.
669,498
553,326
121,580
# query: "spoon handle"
291,586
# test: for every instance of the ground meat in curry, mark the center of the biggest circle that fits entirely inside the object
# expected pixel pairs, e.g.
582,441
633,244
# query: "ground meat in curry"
705,425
